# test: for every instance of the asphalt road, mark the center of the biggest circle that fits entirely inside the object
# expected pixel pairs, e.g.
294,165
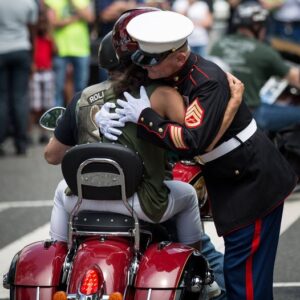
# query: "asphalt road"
27,187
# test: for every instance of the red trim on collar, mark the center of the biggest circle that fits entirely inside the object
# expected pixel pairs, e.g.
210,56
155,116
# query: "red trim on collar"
201,71
192,80
184,70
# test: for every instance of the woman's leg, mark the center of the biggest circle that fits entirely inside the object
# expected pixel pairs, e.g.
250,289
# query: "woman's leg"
183,204
59,216
64,204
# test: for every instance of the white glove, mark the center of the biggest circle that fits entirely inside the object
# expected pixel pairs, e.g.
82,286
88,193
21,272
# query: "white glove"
107,121
132,108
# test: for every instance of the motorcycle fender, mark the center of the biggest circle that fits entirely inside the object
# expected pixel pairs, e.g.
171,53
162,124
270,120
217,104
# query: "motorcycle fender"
162,267
40,264
113,257
30,293
185,173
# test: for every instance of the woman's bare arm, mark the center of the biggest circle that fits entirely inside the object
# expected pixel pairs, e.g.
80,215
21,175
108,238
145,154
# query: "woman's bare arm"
236,90
167,102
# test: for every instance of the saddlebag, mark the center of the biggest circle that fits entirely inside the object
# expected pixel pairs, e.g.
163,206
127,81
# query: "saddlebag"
36,270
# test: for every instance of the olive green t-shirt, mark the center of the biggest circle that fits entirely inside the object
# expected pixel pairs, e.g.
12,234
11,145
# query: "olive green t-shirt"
252,61
152,192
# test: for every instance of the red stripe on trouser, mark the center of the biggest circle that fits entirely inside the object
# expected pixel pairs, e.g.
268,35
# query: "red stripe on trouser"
249,262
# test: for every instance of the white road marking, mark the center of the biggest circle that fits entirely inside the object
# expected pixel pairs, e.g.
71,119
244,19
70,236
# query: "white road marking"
38,203
290,215
286,284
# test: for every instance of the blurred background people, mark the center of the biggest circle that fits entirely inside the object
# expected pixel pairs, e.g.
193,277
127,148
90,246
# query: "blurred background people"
17,22
161,4
107,12
199,13
70,20
232,6
286,20
42,85
254,62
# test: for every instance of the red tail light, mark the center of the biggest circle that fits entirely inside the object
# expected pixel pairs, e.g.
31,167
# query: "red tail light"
90,282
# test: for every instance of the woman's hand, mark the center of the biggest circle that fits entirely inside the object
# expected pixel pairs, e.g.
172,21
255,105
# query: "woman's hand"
236,89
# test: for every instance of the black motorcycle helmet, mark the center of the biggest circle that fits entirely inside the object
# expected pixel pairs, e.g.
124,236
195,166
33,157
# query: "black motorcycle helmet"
249,15
107,58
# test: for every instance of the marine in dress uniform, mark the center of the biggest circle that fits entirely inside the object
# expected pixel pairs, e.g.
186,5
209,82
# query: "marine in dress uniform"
247,178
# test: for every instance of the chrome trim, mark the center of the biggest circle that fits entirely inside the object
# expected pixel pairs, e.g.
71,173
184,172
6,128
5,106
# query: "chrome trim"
149,294
87,297
120,181
101,179
132,271
37,295
106,233
188,162
84,297
196,284
102,233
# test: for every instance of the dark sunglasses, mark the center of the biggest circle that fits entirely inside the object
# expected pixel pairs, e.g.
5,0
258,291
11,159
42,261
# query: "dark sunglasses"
142,58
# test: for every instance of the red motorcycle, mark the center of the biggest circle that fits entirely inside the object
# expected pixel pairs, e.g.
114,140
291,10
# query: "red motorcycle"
190,171
108,255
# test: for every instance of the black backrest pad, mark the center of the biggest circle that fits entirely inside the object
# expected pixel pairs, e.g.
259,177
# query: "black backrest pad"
129,161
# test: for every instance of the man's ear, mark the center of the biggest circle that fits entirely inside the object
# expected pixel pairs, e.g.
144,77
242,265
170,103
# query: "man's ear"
181,58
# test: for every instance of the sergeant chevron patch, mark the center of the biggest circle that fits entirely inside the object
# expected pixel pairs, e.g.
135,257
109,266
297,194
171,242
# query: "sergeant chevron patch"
194,115
176,136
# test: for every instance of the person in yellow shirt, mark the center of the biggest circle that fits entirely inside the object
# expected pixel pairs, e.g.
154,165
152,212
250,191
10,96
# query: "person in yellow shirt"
70,20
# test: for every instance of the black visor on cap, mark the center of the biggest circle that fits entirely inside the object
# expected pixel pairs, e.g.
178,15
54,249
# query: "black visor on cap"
142,58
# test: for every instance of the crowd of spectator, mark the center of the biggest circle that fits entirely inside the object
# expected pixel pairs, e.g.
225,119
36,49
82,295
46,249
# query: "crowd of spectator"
48,50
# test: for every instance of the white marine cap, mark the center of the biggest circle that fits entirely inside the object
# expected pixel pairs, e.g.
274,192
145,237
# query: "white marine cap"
160,31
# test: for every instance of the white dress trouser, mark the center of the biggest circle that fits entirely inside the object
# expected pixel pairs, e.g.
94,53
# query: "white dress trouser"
183,204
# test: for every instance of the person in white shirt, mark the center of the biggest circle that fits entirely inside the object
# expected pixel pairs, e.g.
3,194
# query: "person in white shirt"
198,12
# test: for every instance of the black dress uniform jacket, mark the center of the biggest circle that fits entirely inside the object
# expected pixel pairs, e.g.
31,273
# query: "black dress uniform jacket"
244,184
